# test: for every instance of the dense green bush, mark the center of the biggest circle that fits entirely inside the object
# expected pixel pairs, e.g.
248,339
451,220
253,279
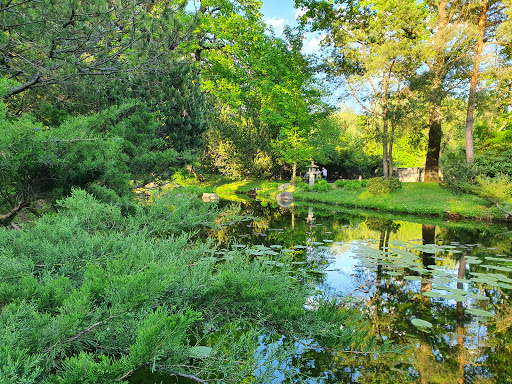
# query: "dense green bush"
382,185
322,186
89,295
351,185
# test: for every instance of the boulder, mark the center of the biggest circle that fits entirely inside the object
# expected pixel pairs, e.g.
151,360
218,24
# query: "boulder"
284,199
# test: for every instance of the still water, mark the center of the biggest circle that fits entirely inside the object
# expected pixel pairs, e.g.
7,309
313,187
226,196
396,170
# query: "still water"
442,289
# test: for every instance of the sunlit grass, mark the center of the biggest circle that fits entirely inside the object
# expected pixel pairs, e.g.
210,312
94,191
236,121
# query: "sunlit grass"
414,198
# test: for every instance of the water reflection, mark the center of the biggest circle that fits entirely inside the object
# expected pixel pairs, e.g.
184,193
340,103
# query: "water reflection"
454,276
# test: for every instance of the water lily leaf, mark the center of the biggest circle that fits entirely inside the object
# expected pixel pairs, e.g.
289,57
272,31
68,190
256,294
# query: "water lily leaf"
300,246
299,262
315,243
328,241
420,270
276,246
441,280
476,296
414,278
479,312
473,260
485,280
238,246
504,285
497,267
398,243
456,297
393,273
421,323
457,291
432,294
200,351
498,259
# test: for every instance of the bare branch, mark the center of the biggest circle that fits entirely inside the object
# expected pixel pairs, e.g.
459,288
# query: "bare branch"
25,86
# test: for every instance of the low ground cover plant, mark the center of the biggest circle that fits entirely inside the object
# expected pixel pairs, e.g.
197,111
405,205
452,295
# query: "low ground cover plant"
89,295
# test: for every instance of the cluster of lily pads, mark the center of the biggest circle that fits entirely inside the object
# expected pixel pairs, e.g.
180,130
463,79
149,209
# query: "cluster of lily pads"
402,260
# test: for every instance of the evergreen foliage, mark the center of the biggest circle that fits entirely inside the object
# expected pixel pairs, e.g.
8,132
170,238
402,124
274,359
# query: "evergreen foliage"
89,295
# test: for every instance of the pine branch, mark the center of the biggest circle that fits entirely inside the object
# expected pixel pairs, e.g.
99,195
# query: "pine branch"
85,331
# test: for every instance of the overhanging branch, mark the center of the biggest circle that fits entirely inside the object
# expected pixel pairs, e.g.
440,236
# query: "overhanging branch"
23,87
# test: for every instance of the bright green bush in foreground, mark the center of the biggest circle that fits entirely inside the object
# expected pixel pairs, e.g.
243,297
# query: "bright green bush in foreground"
89,296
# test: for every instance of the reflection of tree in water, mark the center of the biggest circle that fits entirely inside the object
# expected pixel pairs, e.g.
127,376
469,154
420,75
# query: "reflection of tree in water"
451,352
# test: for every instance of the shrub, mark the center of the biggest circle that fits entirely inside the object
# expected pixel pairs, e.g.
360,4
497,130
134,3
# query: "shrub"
351,185
322,186
382,185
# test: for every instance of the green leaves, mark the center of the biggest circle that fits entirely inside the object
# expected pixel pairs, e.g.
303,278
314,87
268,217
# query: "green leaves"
421,323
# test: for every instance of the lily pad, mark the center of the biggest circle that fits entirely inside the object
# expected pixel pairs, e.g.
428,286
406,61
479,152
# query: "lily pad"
413,278
432,294
479,312
497,267
421,323
455,296
476,296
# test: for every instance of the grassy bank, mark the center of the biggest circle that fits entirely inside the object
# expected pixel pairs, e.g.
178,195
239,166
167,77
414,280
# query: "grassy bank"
413,199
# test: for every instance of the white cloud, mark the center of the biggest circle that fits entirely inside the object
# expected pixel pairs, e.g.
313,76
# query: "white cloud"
277,24
312,44
299,13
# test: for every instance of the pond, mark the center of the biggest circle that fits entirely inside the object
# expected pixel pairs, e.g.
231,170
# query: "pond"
441,289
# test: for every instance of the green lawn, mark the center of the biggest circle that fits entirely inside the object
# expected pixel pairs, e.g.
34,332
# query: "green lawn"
414,198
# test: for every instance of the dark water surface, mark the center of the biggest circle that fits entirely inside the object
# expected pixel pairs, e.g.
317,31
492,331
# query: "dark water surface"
441,288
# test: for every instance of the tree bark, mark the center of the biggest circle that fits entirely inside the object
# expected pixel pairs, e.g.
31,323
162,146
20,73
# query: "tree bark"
385,164
294,173
470,154
438,69
8,217
434,144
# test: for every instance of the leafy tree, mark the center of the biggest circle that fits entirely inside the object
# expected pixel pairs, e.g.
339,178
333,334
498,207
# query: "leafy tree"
52,45
490,15
292,101
375,46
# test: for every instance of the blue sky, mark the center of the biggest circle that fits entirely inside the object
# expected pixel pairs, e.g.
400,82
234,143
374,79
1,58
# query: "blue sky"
279,13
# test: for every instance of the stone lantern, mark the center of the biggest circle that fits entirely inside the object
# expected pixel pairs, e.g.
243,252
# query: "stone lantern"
312,173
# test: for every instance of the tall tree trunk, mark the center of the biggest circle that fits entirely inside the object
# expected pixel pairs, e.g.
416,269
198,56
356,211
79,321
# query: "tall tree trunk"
474,81
391,138
294,173
434,143
439,71
385,163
